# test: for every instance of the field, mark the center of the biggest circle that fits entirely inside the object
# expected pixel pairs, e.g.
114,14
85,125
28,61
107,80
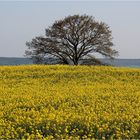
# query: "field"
69,102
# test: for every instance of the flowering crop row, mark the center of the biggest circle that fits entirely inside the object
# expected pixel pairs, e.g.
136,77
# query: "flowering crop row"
69,102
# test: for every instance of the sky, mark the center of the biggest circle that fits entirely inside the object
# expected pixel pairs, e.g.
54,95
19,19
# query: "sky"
20,21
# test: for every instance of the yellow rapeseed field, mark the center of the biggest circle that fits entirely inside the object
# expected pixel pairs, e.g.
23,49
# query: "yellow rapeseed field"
69,102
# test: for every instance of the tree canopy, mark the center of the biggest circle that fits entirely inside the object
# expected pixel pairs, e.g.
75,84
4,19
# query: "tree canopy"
72,40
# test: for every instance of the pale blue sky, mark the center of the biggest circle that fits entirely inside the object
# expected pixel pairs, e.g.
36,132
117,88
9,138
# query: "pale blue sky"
22,21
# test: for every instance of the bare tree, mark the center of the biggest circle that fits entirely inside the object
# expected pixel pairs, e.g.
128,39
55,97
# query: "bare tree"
73,39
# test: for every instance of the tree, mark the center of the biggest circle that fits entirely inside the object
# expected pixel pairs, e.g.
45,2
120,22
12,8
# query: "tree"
72,40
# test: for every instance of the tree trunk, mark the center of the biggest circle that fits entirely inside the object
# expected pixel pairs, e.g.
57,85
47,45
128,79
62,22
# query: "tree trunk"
75,57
